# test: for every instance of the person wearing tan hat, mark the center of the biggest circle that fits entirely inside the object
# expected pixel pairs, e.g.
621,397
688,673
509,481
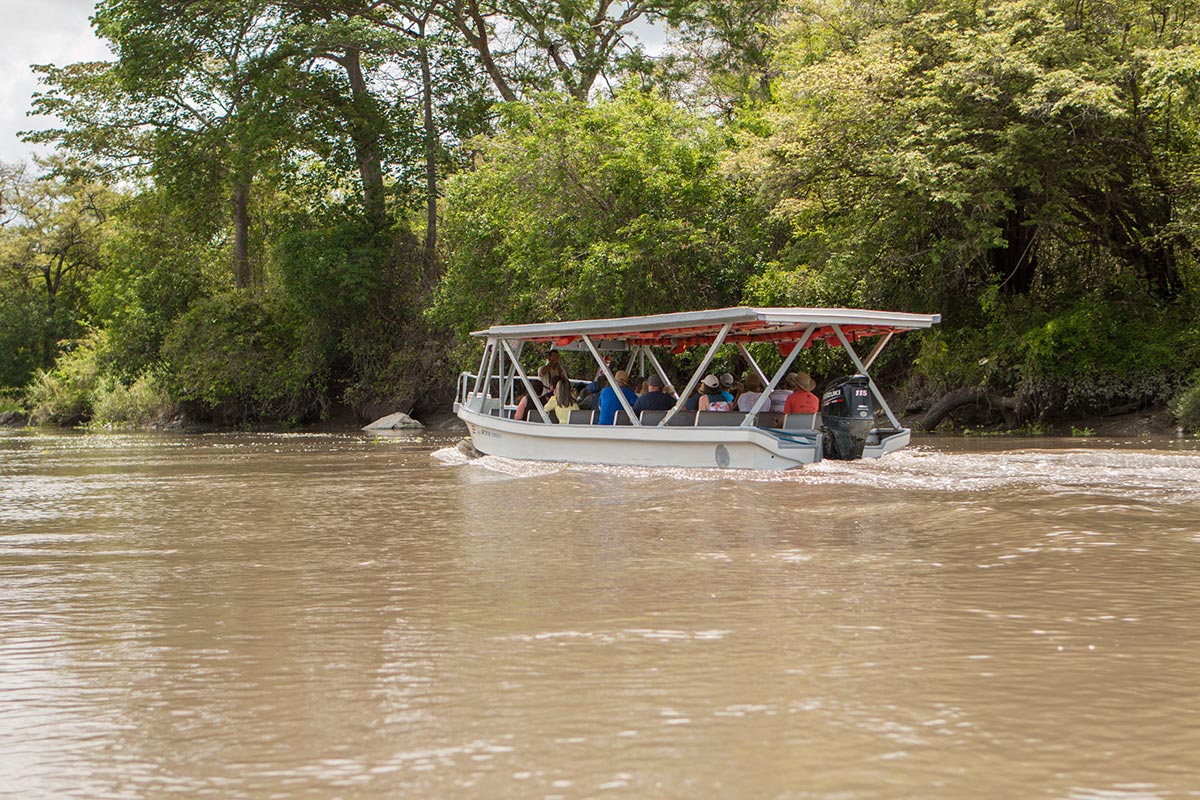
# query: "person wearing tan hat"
609,404
801,400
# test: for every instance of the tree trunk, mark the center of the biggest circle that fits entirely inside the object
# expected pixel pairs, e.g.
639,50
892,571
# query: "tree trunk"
240,203
969,395
472,25
1016,264
431,141
363,122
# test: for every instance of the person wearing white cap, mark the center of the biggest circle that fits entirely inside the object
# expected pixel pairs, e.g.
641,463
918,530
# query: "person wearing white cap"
713,399
693,401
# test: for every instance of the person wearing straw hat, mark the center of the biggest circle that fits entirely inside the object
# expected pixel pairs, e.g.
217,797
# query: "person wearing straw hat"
801,400
609,404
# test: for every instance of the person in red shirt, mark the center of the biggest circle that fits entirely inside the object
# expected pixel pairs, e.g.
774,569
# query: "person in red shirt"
801,400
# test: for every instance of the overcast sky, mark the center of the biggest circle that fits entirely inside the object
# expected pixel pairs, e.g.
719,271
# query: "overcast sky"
37,32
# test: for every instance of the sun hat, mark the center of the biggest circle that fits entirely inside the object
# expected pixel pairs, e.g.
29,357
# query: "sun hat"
802,380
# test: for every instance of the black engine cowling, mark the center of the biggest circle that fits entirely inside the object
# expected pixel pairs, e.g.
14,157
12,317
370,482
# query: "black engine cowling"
848,416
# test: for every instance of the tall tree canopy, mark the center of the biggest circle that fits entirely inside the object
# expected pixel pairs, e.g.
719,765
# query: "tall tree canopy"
614,208
1010,144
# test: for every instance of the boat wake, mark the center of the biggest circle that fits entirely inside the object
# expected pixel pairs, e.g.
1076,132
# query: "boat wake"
459,454
1134,474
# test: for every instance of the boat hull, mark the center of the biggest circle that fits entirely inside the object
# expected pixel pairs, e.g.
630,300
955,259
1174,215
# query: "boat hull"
696,447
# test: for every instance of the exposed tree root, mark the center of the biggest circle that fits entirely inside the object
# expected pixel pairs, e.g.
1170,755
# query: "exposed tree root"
970,395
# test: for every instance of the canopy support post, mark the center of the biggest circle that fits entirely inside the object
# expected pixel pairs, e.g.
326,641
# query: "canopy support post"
533,395
695,379
484,378
612,382
870,381
878,348
753,364
508,361
662,373
765,397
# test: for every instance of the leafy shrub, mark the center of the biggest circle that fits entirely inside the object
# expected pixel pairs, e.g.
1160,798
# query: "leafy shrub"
10,401
238,357
1094,355
1186,408
143,403
1102,354
62,395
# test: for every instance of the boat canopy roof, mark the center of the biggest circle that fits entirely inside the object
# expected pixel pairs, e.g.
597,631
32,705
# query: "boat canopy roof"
685,329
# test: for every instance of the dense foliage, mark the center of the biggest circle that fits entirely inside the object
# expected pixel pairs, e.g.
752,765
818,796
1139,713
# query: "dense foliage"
260,210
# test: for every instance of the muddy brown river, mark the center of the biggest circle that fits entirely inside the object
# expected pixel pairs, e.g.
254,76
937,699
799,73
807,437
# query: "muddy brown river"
339,616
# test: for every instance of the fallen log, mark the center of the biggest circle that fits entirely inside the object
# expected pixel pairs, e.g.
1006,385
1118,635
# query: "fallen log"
970,395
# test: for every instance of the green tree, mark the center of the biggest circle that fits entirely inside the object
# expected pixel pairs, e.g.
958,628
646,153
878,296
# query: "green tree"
577,211
1007,144
156,264
191,100
51,234
722,54
569,46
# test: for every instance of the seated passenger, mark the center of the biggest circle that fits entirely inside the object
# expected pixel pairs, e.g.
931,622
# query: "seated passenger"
693,402
655,399
747,399
713,399
589,398
778,399
729,386
609,404
562,402
801,400
523,404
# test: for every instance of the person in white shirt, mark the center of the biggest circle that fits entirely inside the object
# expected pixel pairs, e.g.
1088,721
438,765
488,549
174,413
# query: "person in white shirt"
749,396
552,369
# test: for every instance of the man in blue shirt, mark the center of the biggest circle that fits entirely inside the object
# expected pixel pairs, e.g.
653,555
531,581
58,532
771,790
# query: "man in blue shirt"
609,404
655,399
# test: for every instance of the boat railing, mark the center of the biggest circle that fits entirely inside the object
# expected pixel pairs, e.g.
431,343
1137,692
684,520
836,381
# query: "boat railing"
466,382
466,389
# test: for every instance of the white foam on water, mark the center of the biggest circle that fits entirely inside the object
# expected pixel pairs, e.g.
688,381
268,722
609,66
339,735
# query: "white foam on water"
1135,474
453,456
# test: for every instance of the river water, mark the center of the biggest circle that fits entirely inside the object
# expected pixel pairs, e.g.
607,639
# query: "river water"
338,616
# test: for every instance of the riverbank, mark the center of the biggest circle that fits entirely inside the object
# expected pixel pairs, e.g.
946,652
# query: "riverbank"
1150,422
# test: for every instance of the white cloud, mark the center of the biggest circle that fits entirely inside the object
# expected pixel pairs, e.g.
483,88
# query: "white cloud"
37,32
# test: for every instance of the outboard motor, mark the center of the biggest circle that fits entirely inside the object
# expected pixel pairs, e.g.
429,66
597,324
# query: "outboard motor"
848,415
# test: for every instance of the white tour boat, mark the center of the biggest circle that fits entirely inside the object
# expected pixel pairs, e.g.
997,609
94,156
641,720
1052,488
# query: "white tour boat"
847,426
